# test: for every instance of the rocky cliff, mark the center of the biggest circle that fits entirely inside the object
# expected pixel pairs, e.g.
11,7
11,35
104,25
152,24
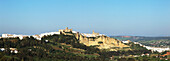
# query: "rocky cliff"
100,40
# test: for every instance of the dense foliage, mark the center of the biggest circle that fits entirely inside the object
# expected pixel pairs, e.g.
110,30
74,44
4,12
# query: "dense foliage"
39,50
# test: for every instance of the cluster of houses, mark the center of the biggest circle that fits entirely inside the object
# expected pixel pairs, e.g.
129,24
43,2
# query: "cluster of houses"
38,37
91,35
153,49
14,36
158,49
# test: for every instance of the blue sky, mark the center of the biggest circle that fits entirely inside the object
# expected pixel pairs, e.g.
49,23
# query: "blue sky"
110,17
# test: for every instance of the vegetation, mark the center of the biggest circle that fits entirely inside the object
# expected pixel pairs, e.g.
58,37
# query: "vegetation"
60,48
136,50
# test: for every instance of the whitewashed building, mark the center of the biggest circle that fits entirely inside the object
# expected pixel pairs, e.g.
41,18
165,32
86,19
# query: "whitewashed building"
14,36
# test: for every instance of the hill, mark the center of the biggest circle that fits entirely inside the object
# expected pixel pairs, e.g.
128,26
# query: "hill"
58,47
65,45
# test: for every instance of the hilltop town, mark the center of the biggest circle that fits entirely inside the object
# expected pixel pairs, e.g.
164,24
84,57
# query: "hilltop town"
95,39
94,46
101,41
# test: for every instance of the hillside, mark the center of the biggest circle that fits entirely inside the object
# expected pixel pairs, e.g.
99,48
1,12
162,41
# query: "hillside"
95,39
65,45
57,47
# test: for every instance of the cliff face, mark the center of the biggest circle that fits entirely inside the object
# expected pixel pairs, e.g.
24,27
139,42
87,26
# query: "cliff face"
102,41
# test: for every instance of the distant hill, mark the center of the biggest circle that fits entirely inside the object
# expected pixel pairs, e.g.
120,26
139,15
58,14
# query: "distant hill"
139,38
149,41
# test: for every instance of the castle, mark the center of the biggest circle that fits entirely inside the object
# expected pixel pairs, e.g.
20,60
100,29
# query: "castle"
94,39
65,30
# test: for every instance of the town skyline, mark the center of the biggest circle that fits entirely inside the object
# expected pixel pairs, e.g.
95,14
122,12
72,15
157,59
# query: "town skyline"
81,32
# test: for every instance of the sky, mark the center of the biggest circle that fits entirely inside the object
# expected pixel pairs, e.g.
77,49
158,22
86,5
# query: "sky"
109,17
